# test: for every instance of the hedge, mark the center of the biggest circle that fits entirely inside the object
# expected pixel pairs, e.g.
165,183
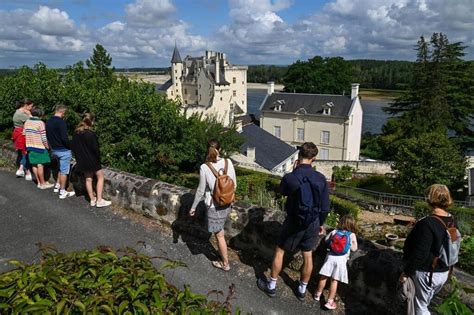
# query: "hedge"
344,207
463,216
101,281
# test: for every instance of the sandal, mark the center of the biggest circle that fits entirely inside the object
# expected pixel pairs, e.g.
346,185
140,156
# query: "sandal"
220,265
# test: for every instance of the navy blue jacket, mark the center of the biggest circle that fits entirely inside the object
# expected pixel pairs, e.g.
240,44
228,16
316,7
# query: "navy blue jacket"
289,186
56,132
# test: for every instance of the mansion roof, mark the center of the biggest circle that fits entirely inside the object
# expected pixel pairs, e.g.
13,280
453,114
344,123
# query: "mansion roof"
308,103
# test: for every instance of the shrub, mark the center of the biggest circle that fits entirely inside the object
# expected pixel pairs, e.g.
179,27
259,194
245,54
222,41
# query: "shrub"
464,216
466,254
343,173
378,183
344,207
99,281
452,305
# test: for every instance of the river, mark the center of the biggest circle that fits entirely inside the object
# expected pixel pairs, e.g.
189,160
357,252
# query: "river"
373,119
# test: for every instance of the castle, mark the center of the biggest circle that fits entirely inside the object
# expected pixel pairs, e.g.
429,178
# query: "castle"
209,85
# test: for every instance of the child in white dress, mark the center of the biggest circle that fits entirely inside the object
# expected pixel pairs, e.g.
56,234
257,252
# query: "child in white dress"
335,265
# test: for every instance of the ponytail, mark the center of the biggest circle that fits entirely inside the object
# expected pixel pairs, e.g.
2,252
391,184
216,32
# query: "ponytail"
213,148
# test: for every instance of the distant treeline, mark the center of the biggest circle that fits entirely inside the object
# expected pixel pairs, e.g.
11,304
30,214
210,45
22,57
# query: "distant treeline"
377,74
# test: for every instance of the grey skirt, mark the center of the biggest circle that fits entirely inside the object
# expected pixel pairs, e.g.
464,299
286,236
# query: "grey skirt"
216,218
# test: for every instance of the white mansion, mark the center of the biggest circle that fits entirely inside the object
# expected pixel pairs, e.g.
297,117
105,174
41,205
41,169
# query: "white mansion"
208,84
332,122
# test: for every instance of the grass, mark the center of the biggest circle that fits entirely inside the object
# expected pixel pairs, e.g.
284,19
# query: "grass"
376,94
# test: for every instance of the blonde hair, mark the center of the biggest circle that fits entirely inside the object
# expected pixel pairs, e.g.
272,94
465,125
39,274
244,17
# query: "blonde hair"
348,223
438,196
86,122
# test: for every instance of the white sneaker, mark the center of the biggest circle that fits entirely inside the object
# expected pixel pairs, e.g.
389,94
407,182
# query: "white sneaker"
66,194
93,202
56,188
28,177
103,203
20,173
46,186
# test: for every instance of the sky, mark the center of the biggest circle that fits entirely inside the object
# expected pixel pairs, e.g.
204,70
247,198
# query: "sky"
142,33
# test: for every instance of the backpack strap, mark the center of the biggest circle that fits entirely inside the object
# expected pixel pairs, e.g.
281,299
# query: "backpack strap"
440,220
226,165
213,170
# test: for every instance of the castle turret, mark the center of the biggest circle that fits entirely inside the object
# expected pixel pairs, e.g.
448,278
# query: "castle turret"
176,72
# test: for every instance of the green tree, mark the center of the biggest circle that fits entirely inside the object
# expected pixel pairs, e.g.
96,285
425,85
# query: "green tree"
427,159
331,75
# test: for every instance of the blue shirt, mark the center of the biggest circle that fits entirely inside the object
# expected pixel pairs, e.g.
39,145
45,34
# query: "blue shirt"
289,186
56,132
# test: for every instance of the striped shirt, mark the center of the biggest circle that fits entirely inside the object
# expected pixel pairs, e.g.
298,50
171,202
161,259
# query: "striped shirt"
35,134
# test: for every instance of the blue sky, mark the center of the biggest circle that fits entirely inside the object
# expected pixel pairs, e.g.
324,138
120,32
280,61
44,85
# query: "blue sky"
142,33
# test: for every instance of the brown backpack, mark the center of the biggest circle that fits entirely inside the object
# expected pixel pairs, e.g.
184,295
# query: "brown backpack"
224,189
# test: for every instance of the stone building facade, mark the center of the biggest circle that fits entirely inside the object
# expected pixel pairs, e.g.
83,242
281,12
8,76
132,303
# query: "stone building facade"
209,84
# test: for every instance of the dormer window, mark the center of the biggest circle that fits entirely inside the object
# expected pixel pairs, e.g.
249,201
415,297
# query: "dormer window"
327,108
277,105
277,108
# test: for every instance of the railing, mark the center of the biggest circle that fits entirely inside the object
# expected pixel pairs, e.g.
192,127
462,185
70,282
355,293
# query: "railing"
380,198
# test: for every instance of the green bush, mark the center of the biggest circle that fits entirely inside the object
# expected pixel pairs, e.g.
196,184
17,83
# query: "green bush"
344,207
464,216
452,305
343,173
98,282
259,188
466,254
378,183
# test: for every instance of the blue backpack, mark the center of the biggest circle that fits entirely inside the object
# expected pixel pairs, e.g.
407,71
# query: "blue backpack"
308,202
340,243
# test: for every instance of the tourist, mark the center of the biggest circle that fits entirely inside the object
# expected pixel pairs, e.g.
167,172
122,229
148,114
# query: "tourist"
423,245
56,131
37,146
341,241
306,209
85,146
216,214
22,114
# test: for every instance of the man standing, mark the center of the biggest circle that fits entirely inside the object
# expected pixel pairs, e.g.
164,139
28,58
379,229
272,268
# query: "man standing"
307,207
56,131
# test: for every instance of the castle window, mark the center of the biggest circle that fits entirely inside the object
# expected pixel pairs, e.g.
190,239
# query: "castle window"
242,102
325,137
171,92
199,96
277,131
221,98
324,154
243,83
185,101
176,83
300,134
185,91
199,85
327,111
196,92
234,93
234,80
175,71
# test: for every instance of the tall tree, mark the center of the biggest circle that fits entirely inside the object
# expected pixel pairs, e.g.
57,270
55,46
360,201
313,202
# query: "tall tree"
319,75
100,62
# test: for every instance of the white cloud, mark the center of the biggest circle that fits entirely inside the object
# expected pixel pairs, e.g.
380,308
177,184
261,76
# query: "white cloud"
149,13
115,26
49,21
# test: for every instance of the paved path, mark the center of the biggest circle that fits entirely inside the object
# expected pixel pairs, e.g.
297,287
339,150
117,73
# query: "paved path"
29,215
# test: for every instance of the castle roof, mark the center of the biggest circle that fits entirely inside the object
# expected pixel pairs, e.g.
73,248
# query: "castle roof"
176,57
308,103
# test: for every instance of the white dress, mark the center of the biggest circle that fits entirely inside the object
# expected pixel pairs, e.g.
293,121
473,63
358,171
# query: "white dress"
335,267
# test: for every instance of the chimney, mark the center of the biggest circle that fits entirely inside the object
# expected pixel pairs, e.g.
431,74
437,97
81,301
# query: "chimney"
218,71
271,88
355,90
251,153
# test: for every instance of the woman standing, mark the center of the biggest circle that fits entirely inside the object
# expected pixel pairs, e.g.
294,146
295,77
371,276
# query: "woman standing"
22,114
37,146
85,147
216,215
423,245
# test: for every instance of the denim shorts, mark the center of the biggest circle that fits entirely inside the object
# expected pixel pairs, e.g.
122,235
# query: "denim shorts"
64,157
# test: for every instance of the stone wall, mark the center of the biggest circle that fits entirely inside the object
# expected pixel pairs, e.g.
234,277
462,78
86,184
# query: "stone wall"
365,167
253,231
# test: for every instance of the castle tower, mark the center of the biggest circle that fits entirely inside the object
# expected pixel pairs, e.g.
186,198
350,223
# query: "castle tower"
176,73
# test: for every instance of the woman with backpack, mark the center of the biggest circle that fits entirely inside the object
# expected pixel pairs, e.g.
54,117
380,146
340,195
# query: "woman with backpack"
341,241
217,183
421,251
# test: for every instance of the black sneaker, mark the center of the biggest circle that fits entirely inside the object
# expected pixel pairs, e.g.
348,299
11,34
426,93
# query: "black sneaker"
300,295
263,285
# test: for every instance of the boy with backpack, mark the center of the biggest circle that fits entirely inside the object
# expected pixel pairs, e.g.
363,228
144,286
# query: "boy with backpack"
307,207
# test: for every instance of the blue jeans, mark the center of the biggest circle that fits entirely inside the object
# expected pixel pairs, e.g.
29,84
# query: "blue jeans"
64,158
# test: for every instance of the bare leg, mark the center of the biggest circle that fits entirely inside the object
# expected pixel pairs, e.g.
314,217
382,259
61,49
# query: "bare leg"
89,188
222,246
35,171
100,184
62,179
40,174
277,263
332,289
307,268
321,284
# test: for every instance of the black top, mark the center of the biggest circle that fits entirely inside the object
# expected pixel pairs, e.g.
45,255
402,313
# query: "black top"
423,244
56,132
289,186
85,146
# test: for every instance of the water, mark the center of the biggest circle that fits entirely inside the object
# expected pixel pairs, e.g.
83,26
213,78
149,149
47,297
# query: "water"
373,119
